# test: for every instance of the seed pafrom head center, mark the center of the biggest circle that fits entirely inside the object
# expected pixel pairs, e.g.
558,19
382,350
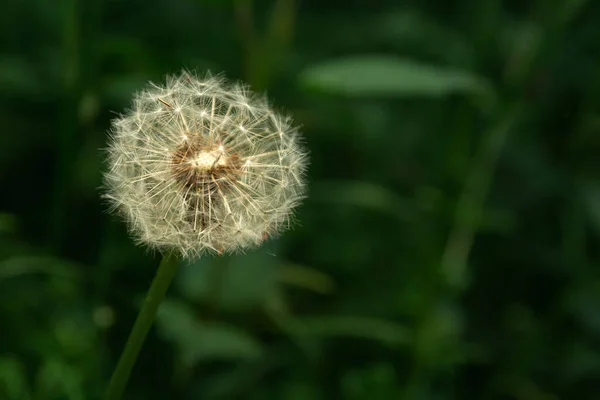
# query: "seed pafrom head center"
207,160
204,168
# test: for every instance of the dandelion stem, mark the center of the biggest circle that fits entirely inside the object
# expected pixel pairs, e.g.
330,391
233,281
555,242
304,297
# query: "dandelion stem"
156,293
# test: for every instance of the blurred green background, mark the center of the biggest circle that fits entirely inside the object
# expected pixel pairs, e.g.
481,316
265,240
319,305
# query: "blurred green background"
449,245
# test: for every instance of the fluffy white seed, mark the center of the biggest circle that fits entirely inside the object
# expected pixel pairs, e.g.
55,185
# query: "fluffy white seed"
202,165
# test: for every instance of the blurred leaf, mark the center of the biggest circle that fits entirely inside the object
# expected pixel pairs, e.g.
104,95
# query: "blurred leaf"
17,77
87,175
521,42
57,380
377,381
582,361
120,89
301,390
572,9
216,2
591,199
583,301
438,337
235,382
13,380
238,282
390,76
305,277
379,330
362,194
22,265
89,109
8,223
498,221
76,334
198,341
423,34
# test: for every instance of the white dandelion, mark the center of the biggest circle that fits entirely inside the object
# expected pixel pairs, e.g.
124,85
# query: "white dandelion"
201,165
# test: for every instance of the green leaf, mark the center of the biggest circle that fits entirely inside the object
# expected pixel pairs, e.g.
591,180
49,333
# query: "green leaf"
365,195
379,330
583,302
413,29
307,278
198,341
390,76
120,89
57,379
231,282
13,382
590,192
8,223
17,77
377,381
23,265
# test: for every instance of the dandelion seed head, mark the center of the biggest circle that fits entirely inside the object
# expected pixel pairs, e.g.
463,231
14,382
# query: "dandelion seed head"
201,165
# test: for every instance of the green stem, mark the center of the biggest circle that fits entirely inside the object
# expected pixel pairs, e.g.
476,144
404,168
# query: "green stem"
156,293
470,207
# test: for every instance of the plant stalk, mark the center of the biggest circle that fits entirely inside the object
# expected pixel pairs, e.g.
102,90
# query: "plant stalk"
156,293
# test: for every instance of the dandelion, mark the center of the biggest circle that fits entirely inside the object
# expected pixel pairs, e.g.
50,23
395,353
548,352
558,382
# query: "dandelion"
196,166
202,165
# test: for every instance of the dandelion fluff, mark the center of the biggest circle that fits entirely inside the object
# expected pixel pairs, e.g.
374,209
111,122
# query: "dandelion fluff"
203,165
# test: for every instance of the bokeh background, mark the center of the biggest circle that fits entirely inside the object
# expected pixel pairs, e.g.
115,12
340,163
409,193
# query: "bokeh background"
448,248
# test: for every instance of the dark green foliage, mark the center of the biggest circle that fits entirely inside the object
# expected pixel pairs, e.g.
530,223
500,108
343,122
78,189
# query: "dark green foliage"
449,245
